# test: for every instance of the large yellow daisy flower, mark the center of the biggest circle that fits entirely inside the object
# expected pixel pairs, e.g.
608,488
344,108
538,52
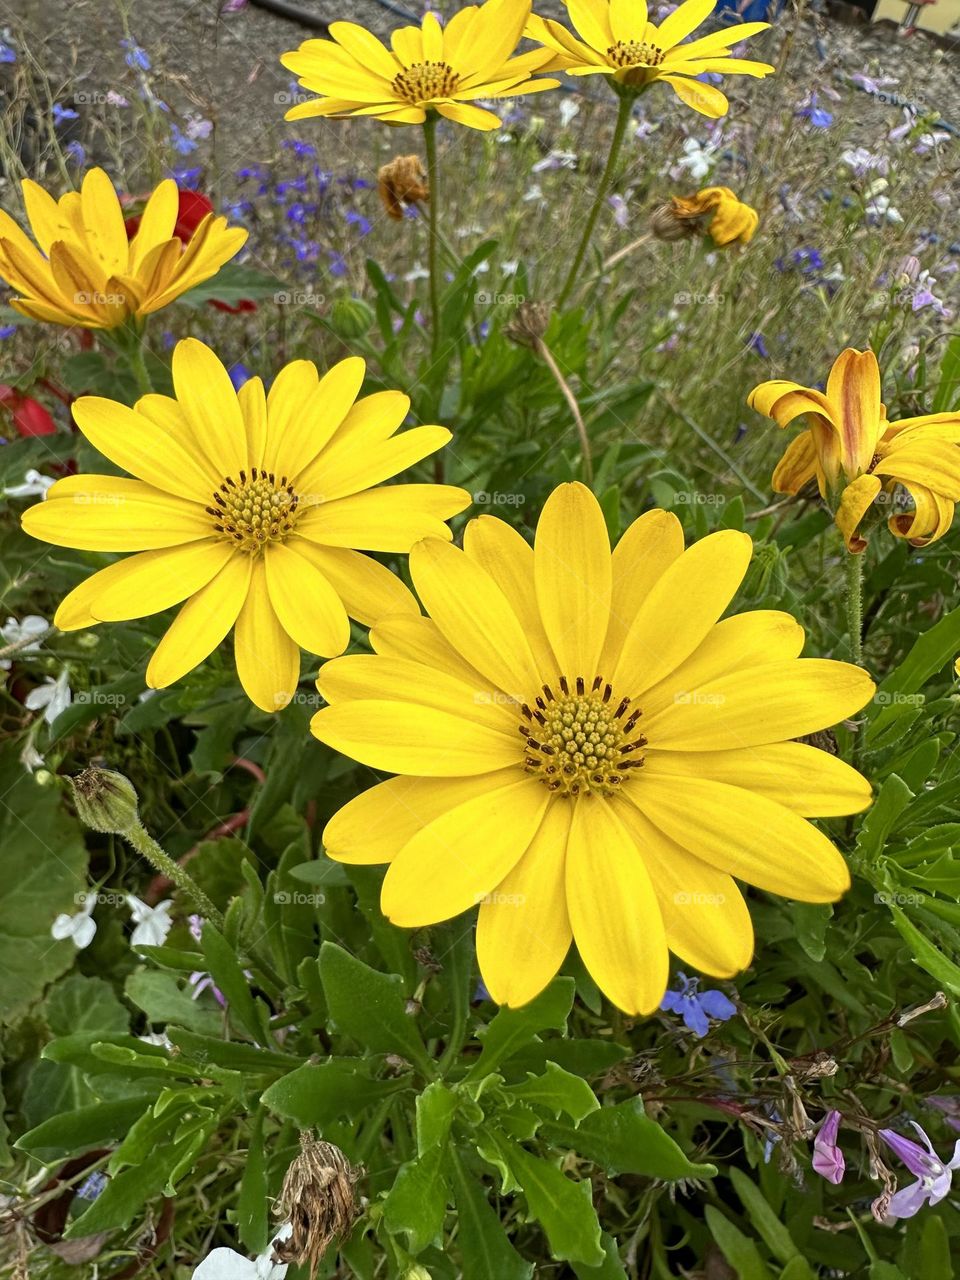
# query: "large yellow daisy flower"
617,40
87,272
253,509
588,753
856,455
427,68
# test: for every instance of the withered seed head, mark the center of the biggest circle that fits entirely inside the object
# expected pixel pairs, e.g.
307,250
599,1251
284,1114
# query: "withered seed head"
667,222
105,800
529,324
319,1202
401,182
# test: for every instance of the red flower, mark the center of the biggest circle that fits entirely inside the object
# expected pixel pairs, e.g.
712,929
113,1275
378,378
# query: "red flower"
29,416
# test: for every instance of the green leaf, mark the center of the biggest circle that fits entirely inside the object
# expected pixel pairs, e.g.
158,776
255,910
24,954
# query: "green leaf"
563,1208
161,998
927,956
935,649
811,920
511,1029
234,283
771,1230
436,1107
621,1139
892,799
229,977
315,1095
98,1125
558,1091
417,1202
485,1249
947,394
77,1003
370,1006
610,1269
253,1224
44,864
739,1250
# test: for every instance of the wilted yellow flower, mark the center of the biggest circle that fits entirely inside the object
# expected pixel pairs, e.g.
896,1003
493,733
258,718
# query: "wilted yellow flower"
587,752
427,68
855,454
87,272
617,40
251,508
400,182
728,220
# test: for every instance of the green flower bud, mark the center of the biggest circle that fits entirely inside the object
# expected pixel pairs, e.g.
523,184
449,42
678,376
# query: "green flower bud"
106,801
351,318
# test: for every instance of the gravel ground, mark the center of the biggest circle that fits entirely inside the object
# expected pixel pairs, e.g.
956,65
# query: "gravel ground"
226,68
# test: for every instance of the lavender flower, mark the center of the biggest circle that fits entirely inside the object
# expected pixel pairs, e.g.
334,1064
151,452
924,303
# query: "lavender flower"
934,1178
828,1159
697,1007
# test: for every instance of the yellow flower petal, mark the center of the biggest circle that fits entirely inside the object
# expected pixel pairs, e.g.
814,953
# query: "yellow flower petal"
302,428
523,930
207,397
628,19
368,589
645,551
798,465
760,705
203,623
746,835
466,113
401,737
268,660
702,97
591,20
421,640
353,469
385,519
475,616
705,918
365,48
307,606
805,779
681,608
365,675
613,908
855,501
153,580
685,18
573,574
253,406
374,826
112,513
451,864
853,389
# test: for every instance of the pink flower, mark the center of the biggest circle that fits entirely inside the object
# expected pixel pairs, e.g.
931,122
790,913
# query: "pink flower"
828,1159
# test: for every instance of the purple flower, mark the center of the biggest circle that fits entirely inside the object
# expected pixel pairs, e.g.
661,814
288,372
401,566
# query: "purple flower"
7,54
697,1007
201,982
76,153
60,114
757,343
356,219
299,148
181,143
239,374
92,1186
819,118
933,1176
136,58
621,212
7,331
828,1159
949,1105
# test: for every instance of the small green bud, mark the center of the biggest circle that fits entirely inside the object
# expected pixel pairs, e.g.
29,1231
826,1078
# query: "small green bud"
105,800
351,317
44,778
416,1272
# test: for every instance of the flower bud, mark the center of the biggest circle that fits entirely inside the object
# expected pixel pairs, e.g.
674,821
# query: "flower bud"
105,801
908,269
351,318
667,222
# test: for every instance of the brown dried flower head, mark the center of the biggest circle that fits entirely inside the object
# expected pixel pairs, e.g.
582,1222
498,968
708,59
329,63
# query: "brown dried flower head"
401,182
529,324
318,1200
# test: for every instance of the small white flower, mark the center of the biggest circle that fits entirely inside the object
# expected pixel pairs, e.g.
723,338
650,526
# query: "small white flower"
698,158
418,272
556,160
227,1264
569,108
51,697
31,758
151,924
159,1038
34,485
534,192
80,927
14,632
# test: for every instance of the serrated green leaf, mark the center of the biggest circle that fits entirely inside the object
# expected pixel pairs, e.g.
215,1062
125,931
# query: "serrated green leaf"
512,1029
416,1204
370,1006
317,1094
563,1208
485,1249
622,1139
557,1091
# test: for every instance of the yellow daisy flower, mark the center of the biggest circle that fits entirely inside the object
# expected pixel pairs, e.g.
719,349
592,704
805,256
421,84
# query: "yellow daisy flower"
427,68
617,40
87,272
251,508
855,454
728,220
587,752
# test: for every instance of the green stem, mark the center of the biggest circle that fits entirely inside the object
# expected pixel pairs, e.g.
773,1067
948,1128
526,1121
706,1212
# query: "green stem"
138,367
606,180
433,181
855,606
145,845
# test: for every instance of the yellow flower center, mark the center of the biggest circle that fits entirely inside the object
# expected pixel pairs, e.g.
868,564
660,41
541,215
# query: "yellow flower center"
581,739
425,81
635,53
254,510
